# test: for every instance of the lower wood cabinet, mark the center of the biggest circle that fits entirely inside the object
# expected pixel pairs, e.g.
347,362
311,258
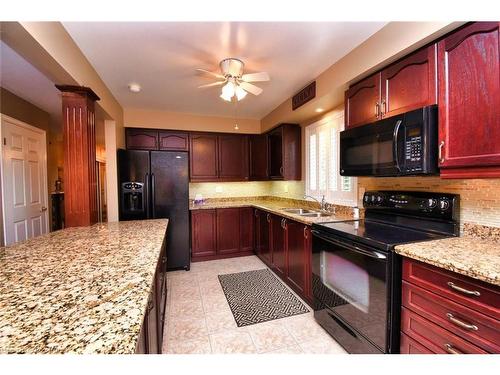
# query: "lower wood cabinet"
444,312
262,236
299,254
278,244
221,233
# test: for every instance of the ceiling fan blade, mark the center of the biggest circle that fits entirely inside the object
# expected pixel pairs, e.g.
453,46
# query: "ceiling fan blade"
255,77
216,75
212,84
251,88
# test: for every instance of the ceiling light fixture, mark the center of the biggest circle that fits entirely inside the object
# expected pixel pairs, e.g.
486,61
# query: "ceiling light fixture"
134,87
228,91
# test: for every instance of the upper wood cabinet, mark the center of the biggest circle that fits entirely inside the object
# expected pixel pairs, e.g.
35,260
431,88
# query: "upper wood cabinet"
173,141
469,102
233,157
410,83
403,86
141,139
284,145
203,157
362,102
258,157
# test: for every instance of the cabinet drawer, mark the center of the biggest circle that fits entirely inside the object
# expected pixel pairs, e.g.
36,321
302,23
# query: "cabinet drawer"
433,336
410,346
474,294
469,324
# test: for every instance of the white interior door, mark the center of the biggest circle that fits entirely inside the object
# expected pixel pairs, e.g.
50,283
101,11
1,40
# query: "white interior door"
24,181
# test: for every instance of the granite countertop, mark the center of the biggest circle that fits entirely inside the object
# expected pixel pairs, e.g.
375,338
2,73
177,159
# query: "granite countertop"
274,207
79,290
474,257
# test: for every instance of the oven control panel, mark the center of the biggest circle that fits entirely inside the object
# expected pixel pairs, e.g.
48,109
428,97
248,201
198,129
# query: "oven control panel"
439,205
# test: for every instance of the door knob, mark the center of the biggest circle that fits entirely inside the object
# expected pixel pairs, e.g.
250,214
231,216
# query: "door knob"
43,209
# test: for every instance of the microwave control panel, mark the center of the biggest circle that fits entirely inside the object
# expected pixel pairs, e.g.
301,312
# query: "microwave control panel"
413,150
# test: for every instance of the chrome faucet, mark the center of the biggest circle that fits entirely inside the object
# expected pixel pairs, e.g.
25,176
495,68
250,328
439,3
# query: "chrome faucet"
322,204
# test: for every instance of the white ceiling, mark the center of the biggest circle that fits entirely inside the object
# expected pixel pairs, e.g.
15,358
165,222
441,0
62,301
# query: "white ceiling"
162,58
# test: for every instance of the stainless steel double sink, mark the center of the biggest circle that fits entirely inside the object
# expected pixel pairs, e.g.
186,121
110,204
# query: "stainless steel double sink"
305,212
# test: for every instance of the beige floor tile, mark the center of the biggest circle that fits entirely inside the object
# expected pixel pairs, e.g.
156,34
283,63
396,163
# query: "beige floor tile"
196,346
215,303
179,329
270,336
325,345
193,311
303,328
220,321
291,350
232,342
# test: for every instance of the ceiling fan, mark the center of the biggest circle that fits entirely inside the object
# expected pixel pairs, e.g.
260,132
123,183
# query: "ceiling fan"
235,82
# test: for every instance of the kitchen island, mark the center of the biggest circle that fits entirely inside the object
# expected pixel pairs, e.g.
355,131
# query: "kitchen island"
97,289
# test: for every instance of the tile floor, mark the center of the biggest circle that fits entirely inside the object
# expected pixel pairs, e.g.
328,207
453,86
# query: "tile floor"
199,320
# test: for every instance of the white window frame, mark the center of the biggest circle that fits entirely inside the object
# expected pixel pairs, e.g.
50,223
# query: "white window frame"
333,194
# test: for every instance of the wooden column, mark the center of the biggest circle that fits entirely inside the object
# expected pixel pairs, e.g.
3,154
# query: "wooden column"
80,187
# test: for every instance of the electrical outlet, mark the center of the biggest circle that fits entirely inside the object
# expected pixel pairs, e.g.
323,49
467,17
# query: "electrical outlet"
218,189
286,188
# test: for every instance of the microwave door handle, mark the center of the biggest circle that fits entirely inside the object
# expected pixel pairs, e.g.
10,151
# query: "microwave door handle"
357,249
395,145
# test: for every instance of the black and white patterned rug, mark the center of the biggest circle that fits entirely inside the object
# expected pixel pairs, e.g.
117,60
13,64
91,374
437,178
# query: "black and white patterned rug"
258,296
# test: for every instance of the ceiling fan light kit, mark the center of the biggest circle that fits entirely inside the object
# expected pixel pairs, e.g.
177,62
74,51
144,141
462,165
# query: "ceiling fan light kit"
235,83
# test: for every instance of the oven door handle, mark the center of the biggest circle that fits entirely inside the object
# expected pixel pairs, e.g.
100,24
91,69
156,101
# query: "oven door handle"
351,247
395,144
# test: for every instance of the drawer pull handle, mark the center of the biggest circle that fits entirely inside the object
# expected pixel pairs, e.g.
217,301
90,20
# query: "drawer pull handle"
462,290
460,323
450,349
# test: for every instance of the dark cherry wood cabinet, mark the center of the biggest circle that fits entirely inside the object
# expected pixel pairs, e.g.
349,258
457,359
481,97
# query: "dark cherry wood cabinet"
258,154
410,83
278,244
173,141
469,102
228,230
362,102
284,152
298,253
141,139
203,157
246,229
445,312
203,233
221,233
233,157
262,236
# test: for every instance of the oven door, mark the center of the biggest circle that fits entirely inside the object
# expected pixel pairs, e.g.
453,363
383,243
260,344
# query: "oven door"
351,292
373,150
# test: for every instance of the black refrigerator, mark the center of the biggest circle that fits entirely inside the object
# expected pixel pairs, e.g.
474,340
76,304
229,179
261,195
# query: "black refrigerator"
154,185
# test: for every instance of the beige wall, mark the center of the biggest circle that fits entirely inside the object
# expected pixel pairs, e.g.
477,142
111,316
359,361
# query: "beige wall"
144,118
393,41
18,108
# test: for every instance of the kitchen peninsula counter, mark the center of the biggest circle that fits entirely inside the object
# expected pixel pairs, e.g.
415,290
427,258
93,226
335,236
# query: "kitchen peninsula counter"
79,290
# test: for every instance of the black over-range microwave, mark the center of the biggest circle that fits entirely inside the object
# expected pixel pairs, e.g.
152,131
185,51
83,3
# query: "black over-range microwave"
400,145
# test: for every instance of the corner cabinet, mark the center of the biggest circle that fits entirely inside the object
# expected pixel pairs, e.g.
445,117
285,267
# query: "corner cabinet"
408,84
469,102
284,152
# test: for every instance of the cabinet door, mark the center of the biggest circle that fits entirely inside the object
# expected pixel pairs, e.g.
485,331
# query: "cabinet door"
469,101
263,222
278,225
173,141
141,139
410,83
152,322
362,104
228,230
258,157
292,161
246,229
203,160
203,233
297,256
233,157
275,142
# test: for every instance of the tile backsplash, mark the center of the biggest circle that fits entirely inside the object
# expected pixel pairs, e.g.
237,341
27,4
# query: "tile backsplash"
285,189
479,198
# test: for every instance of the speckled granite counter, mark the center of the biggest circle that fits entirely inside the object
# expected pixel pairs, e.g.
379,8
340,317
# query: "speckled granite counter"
473,257
275,206
79,290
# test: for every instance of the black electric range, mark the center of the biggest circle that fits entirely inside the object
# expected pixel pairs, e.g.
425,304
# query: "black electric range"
357,276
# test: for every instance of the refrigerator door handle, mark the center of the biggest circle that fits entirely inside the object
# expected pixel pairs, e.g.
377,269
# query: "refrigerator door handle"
153,203
146,194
